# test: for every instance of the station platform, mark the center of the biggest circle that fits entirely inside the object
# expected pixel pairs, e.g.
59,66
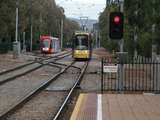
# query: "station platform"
117,107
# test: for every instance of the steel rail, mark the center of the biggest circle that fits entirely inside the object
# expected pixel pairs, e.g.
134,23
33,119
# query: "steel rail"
16,68
53,63
33,93
27,64
45,55
71,91
28,71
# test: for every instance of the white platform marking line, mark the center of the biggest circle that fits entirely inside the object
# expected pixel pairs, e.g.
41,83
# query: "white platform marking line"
99,107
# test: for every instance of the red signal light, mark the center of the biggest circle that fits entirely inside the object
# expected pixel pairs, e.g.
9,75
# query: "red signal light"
116,19
116,25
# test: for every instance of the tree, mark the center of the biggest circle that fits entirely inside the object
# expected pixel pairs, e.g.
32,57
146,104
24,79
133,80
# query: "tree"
44,15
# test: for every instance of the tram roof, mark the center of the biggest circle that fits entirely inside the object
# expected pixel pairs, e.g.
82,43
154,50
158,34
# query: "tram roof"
82,32
48,37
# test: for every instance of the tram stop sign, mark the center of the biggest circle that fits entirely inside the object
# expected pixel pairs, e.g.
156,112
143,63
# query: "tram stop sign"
116,25
110,68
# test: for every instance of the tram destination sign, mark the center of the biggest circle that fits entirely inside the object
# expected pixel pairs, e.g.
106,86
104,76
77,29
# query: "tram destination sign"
110,68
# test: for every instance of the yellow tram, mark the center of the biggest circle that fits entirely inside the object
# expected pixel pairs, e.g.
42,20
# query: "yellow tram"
82,46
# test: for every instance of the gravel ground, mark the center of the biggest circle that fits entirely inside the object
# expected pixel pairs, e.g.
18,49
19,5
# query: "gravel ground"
13,91
22,70
7,61
66,60
67,80
92,79
40,107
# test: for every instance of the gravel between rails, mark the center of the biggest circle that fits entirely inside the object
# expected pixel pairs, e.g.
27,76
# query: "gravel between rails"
92,78
24,70
16,72
7,61
13,91
40,107
66,81
46,104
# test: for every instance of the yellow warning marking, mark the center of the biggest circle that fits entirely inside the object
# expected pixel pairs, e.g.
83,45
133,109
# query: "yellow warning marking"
77,107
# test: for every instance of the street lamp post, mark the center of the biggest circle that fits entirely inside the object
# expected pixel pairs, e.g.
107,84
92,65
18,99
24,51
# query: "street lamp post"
62,27
16,44
62,22
16,37
31,26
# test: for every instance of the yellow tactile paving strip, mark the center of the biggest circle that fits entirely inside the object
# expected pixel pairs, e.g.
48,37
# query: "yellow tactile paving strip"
77,108
86,107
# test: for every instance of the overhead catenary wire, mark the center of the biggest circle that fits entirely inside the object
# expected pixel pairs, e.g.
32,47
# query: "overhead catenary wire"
81,8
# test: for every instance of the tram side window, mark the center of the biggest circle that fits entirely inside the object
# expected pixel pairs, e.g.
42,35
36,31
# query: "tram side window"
81,42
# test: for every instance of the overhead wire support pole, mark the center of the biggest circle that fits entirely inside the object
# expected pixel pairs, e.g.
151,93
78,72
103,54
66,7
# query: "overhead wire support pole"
16,43
17,5
107,2
84,21
122,52
31,26
121,10
61,27
62,23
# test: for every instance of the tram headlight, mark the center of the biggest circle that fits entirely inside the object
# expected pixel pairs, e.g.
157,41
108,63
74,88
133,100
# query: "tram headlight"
86,52
45,49
76,51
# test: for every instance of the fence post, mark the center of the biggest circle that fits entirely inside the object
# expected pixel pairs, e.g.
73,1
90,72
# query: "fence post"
158,80
102,76
120,77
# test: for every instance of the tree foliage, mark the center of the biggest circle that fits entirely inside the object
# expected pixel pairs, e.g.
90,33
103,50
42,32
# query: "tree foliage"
140,18
104,29
44,15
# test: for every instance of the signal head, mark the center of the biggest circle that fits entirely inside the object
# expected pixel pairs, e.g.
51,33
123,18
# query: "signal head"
116,25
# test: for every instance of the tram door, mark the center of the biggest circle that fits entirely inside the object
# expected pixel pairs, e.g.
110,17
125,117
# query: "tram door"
57,46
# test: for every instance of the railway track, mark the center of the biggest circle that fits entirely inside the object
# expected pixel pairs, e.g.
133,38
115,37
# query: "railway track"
37,60
41,90
69,95
33,93
22,70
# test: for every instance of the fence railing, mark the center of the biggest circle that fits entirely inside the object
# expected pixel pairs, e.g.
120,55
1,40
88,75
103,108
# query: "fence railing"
140,74
5,47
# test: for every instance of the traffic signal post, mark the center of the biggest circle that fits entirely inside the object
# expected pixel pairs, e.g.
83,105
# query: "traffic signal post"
116,24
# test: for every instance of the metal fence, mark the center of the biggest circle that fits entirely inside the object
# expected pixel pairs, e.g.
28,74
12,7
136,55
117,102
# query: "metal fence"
140,75
5,47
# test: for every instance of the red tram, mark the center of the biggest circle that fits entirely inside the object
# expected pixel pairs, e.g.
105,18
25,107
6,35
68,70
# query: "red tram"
49,44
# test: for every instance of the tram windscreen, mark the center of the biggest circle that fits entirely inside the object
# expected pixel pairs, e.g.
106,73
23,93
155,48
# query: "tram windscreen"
81,42
45,44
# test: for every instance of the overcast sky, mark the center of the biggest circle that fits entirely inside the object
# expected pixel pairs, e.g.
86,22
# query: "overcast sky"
79,8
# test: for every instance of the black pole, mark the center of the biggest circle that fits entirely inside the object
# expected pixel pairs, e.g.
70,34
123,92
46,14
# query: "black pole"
102,76
31,26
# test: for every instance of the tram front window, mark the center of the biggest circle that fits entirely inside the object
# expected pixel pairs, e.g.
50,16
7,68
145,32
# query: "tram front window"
45,44
81,42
